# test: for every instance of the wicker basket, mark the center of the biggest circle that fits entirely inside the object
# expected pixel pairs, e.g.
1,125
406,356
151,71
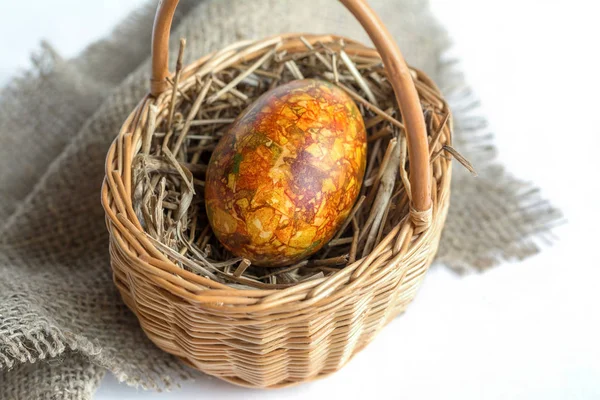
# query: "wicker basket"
275,337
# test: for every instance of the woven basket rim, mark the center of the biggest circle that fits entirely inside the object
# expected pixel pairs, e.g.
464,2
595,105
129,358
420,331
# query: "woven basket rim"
125,227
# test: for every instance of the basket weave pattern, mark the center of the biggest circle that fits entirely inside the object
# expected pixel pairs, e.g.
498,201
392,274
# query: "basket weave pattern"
269,337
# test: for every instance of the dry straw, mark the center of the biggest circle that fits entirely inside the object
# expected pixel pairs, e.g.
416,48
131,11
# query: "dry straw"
272,327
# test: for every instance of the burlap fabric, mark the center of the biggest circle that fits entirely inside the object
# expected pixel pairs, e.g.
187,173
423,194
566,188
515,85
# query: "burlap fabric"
62,323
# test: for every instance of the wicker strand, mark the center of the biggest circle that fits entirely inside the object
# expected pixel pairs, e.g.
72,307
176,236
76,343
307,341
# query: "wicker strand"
421,219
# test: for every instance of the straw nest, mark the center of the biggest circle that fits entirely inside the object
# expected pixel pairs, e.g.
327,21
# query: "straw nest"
178,139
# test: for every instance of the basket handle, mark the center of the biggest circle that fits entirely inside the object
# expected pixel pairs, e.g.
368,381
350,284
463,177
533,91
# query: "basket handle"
398,73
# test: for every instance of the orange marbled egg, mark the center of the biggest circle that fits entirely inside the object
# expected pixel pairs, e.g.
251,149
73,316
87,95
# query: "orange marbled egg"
283,179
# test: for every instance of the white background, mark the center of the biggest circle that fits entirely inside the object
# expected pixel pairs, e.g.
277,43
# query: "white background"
528,330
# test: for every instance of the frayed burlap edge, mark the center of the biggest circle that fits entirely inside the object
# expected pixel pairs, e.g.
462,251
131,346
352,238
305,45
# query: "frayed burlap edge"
502,218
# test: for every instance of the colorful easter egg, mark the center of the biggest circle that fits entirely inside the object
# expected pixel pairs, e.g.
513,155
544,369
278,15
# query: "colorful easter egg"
285,176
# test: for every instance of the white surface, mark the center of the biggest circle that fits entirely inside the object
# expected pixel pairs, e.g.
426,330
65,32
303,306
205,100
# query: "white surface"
527,330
